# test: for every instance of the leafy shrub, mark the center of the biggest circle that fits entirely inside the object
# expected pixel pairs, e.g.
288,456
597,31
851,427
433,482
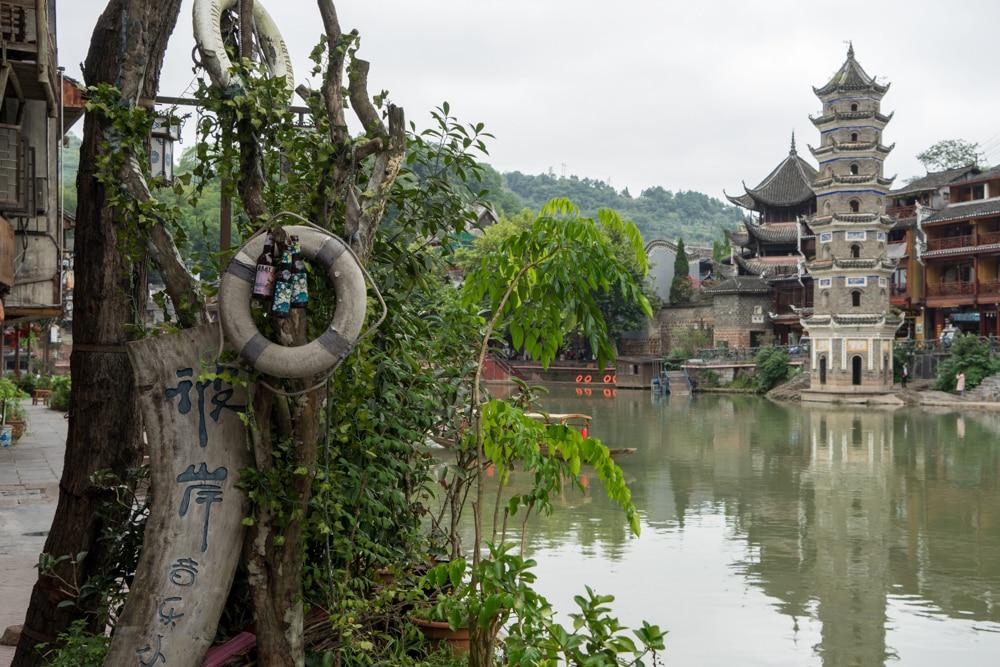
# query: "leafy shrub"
688,341
971,356
743,381
772,368
59,400
709,379
78,647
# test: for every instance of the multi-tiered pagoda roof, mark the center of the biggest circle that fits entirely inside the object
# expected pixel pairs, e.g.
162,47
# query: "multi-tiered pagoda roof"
788,185
851,77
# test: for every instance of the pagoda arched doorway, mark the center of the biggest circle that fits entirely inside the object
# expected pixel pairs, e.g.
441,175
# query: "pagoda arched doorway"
822,369
856,362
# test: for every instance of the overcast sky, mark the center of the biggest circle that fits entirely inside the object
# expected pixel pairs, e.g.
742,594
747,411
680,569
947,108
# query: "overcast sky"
687,95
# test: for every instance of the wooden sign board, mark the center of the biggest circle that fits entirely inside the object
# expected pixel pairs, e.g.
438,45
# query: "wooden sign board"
194,534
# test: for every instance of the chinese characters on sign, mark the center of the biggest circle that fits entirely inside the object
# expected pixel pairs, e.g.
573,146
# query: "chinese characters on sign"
219,400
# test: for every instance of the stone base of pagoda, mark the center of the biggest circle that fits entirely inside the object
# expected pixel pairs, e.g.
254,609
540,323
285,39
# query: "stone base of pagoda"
859,396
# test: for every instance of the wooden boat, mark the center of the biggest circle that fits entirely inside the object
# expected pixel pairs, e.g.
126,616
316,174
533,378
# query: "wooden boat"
579,421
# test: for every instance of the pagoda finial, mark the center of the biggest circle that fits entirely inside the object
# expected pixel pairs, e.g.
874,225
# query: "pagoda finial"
850,50
791,151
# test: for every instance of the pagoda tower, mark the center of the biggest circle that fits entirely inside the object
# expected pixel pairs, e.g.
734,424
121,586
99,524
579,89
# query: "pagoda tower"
851,327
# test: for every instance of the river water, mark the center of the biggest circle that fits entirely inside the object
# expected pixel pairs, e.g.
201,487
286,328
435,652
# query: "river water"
776,535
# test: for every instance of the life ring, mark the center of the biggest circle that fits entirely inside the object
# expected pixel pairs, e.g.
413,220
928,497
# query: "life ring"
208,37
318,356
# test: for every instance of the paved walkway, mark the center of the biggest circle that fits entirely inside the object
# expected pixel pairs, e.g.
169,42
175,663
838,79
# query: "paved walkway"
29,488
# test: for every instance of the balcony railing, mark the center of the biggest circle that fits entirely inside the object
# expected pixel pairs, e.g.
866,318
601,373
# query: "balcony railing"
950,242
951,289
991,288
901,211
988,238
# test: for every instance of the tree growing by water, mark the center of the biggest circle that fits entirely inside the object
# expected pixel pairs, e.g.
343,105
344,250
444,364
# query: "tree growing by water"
681,290
970,355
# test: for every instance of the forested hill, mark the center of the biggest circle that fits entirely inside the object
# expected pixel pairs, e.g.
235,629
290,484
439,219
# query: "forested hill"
659,213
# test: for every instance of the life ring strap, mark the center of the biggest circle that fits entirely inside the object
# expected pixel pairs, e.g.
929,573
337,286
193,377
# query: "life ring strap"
242,271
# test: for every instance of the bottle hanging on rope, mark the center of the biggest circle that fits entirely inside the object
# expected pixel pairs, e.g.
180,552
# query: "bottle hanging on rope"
282,302
300,284
263,284
330,257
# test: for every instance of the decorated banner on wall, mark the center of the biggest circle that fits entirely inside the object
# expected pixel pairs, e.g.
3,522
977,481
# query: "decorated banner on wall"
194,534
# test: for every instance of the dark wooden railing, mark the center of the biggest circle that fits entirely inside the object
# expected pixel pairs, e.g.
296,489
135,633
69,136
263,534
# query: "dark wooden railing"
951,289
988,238
991,288
950,242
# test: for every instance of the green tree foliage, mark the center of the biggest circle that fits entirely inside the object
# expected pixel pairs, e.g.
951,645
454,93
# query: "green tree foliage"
561,265
681,290
970,355
686,342
950,154
620,315
657,212
772,368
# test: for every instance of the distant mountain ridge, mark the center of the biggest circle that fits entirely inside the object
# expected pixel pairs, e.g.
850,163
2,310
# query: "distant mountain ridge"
658,212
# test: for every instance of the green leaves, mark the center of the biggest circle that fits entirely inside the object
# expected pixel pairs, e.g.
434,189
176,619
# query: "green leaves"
546,278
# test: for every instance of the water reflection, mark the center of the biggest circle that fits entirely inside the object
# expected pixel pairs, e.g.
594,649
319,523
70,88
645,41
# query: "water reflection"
873,534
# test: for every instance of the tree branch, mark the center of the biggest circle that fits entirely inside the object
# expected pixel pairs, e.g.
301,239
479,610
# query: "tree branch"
361,101
333,81
179,282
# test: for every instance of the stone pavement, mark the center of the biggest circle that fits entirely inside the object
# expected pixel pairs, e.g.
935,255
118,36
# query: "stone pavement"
29,489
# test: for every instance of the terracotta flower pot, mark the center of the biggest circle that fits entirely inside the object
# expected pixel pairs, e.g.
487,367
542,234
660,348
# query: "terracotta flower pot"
20,427
439,634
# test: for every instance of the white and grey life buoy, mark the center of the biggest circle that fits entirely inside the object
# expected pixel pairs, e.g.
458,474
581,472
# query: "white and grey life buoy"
208,36
318,356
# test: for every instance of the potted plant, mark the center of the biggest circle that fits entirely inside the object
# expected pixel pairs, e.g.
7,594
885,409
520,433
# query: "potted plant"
460,593
10,407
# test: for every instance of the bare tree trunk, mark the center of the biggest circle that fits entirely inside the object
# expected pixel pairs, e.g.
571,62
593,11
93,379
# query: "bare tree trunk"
104,432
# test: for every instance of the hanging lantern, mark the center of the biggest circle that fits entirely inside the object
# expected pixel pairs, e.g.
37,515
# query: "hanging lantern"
166,131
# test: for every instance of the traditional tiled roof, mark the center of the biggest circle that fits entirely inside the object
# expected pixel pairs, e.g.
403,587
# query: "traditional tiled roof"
853,179
851,77
769,266
965,210
933,180
740,285
740,239
825,119
975,175
858,146
788,184
774,232
851,218
905,223
962,250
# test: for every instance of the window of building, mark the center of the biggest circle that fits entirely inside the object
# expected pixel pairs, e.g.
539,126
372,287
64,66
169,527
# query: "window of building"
825,282
899,279
826,237
856,298
855,206
854,107
857,282
978,191
854,136
854,168
855,251
856,235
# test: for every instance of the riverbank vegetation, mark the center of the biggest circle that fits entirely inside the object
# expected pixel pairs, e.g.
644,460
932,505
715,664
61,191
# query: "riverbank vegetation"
349,506
971,355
